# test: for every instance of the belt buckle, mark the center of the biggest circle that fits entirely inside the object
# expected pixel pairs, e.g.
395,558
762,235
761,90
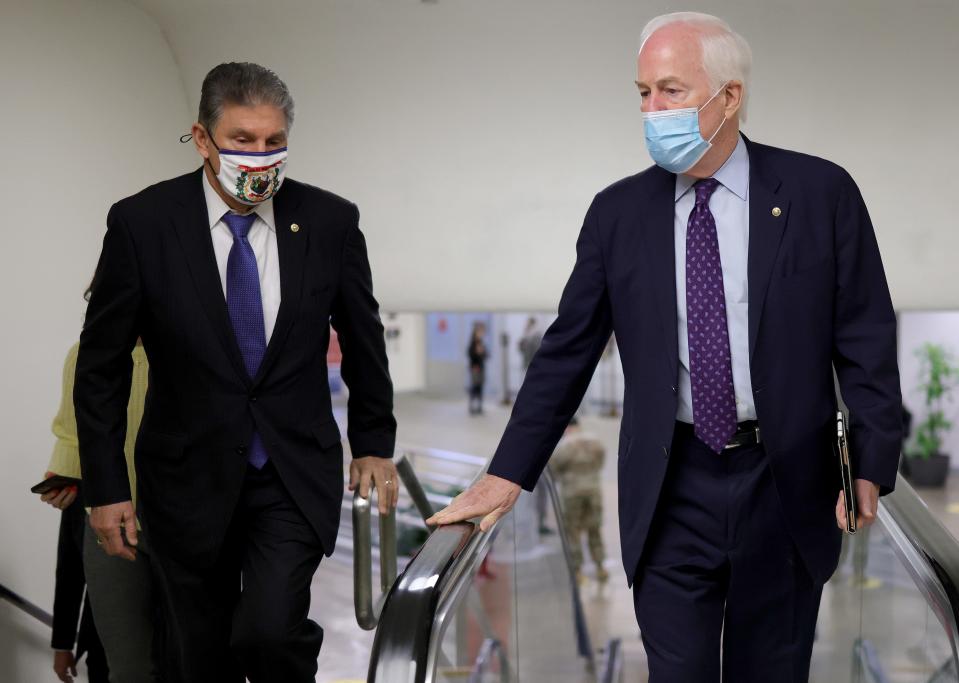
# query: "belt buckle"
733,443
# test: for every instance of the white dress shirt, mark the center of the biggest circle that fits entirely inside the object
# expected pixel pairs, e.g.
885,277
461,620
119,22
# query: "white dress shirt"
262,238
729,205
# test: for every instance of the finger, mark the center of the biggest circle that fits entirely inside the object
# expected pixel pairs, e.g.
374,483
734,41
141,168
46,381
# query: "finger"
130,525
489,520
395,488
841,512
461,513
113,542
70,498
58,501
354,477
365,477
382,493
50,495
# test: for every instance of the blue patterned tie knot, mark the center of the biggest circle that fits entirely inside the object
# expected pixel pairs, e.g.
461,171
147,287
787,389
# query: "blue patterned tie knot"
245,305
239,225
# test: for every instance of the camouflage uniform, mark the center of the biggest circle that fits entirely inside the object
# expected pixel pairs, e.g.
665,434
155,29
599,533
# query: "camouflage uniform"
577,464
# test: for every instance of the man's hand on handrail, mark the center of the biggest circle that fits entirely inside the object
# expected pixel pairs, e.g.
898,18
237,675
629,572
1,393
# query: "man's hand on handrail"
378,473
490,498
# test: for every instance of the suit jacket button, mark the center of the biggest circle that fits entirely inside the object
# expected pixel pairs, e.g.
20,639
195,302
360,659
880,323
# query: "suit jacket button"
253,398
240,450
665,452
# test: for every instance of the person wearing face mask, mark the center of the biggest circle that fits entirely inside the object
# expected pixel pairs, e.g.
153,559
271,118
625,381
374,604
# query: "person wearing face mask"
232,276
737,278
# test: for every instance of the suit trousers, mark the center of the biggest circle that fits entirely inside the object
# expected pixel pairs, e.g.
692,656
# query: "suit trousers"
721,587
124,611
247,615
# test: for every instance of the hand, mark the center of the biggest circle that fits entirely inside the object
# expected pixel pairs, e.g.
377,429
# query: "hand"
867,505
61,499
107,520
491,497
64,666
381,472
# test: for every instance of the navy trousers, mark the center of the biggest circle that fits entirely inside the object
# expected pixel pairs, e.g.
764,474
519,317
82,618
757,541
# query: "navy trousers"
721,588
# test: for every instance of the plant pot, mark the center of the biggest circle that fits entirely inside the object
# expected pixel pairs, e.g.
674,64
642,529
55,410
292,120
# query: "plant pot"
929,471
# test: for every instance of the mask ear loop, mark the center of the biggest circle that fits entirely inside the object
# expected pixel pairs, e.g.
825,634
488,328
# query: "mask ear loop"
721,88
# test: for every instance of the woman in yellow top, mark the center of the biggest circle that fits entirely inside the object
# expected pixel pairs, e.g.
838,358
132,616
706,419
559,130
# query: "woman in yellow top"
120,591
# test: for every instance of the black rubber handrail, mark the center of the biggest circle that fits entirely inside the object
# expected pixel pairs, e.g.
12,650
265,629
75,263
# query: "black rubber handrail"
26,606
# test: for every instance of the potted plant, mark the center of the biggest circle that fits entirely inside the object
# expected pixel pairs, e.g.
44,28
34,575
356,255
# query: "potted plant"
928,465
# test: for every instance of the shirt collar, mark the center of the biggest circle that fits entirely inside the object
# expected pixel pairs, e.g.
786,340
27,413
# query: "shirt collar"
216,207
733,175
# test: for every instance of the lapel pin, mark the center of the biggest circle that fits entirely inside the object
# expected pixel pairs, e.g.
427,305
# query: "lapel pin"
777,212
296,228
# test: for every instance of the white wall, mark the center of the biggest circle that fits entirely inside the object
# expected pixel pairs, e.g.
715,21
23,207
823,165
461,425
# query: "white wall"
474,134
92,107
406,350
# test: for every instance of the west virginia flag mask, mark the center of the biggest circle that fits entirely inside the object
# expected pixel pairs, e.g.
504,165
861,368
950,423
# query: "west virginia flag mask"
252,177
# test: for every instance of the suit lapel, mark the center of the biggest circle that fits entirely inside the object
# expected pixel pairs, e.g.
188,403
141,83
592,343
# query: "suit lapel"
768,213
291,246
193,232
661,251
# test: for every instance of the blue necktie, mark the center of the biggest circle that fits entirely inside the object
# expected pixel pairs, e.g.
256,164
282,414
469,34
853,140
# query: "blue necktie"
246,309
710,361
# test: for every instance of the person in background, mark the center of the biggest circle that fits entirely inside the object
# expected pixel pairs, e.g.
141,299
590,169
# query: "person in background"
577,463
530,341
477,354
73,625
119,591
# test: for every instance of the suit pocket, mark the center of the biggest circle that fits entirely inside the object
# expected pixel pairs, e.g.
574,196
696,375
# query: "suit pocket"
159,444
327,433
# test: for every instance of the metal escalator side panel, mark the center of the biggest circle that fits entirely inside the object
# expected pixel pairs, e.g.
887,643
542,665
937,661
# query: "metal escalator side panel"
929,553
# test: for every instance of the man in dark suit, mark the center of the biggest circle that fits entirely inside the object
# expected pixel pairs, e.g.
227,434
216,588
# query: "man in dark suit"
737,277
231,276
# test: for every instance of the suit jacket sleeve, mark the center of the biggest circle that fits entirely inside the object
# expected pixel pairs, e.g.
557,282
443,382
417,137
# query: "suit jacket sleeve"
105,367
562,368
864,352
355,317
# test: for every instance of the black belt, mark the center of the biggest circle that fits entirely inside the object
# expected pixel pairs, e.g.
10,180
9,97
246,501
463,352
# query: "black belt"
747,434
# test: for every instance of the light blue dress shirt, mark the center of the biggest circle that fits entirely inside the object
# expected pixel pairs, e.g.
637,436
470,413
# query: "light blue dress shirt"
729,205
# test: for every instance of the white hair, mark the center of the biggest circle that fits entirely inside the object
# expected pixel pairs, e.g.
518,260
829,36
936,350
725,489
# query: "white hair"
726,54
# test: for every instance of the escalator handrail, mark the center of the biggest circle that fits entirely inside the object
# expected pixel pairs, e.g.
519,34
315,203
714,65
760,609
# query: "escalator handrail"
401,646
929,552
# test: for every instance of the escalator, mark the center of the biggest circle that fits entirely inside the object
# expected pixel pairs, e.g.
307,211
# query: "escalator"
504,606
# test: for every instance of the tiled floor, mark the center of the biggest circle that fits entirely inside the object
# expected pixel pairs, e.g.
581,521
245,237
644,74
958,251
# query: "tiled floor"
896,620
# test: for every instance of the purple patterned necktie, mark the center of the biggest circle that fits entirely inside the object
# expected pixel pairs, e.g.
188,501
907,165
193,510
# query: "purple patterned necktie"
710,365
246,309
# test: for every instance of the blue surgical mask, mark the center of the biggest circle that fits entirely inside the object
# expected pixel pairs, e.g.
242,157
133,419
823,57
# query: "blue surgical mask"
673,137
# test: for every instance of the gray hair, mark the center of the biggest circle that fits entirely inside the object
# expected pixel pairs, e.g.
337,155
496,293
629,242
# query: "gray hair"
726,54
242,83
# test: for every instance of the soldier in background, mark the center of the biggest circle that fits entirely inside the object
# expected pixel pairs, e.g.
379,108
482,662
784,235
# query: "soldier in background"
577,464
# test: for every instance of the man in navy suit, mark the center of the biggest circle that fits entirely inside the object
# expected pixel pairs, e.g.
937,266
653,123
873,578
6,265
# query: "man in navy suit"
737,278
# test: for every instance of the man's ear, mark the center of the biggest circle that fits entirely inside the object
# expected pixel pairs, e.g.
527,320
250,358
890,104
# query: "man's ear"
202,141
733,94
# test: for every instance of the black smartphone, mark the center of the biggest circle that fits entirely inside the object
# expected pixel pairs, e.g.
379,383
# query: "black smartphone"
842,442
55,482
